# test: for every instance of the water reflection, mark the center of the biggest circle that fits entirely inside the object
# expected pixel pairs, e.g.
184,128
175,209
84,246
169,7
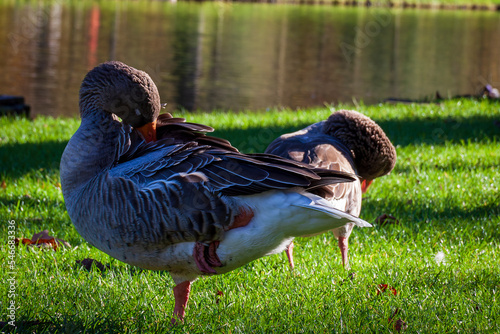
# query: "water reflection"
246,56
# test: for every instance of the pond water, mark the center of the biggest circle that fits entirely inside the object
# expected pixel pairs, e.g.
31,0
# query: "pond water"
213,55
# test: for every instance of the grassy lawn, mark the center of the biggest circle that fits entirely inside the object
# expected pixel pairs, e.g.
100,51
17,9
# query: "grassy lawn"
442,259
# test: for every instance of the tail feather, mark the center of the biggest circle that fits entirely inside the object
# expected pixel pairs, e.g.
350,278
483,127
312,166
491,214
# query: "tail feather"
340,218
296,213
326,181
337,214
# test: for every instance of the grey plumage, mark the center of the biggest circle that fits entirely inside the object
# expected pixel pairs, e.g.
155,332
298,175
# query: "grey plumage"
373,153
187,203
347,141
317,149
152,185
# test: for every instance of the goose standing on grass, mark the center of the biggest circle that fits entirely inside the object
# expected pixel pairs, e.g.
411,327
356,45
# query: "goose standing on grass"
186,203
347,141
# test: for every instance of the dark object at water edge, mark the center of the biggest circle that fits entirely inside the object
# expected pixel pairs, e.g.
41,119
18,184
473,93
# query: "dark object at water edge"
13,105
487,92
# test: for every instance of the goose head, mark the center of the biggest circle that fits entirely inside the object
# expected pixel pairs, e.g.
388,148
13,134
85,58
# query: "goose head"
373,153
124,91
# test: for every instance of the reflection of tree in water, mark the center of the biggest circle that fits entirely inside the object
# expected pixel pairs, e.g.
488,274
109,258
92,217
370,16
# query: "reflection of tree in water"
212,56
93,37
185,49
46,56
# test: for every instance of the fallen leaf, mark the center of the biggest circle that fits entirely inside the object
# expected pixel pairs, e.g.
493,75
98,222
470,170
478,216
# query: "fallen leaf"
24,241
386,219
391,318
349,278
399,324
383,287
43,240
219,293
87,264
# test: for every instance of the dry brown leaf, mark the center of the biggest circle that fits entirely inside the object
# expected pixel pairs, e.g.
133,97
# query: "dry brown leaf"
4,185
383,288
391,318
219,293
399,324
386,219
349,278
43,240
24,241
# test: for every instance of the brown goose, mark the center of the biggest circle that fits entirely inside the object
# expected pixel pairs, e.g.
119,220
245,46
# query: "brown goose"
347,141
187,203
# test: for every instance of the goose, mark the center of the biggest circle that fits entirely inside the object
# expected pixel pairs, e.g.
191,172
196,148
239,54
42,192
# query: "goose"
156,192
347,141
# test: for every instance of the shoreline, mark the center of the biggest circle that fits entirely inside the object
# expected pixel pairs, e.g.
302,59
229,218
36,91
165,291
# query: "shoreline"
384,4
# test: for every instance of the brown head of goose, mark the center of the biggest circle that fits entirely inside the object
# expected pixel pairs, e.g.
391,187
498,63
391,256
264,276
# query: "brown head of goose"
347,141
187,203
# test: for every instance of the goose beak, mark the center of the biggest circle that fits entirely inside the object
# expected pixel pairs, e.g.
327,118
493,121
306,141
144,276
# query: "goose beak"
148,131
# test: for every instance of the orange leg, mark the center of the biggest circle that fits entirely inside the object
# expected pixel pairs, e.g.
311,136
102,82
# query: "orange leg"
181,295
344,248
289,254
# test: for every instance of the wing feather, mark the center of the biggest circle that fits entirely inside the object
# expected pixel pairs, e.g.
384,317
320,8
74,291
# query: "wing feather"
184,148
181,182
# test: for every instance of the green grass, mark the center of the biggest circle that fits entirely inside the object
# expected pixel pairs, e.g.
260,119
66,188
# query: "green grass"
444,190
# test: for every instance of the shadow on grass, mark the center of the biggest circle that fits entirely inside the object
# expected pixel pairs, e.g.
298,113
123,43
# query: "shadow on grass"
415,212
20,159
63,326
450,166
28,201
401,132
438,132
